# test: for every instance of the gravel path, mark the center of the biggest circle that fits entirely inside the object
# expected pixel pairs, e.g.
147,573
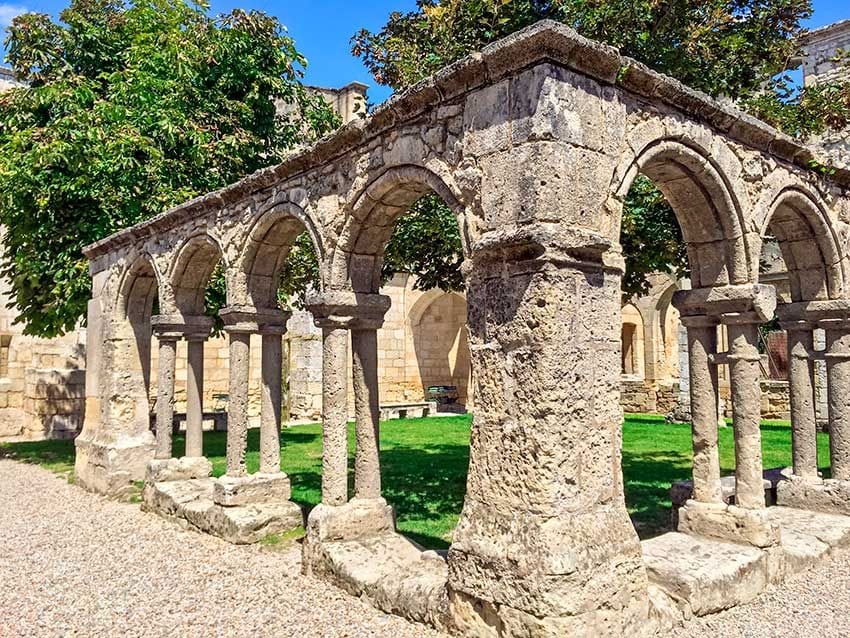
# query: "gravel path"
809,605
73,564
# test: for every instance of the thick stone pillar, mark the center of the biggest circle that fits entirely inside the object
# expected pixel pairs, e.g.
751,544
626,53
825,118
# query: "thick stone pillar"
801,390
167,339
745,383
838,383
270,414
702,346
544,542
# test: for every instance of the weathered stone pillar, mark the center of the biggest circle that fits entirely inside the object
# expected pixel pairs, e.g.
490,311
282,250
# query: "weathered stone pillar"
838,382
741,308
334,412
801,390
270,414
702,346
745,384
239,333
195,395
806,489
336,313
167,338
367,463
366,515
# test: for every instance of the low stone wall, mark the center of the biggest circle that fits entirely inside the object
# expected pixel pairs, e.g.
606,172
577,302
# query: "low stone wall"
54,403
642,397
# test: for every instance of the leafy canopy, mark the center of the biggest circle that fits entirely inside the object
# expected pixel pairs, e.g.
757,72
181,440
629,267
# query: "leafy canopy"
723,47
132,108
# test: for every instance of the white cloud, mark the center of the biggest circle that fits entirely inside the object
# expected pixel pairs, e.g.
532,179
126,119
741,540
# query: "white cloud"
8,12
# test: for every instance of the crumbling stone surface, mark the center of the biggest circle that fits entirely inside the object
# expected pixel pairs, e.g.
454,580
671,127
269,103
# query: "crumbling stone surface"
534,143
190,504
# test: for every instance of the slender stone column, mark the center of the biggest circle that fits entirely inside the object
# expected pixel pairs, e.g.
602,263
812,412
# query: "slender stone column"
838,383
334,413
239,324
167,339
702,346
337,312
801,390
270,415
194,396
367,464
744,378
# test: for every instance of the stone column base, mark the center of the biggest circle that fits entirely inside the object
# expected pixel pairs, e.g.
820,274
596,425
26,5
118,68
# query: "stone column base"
111,468
817,495
254,489
182,469
356,520
729,523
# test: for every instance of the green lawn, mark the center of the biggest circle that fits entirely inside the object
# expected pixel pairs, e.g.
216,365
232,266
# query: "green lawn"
424,463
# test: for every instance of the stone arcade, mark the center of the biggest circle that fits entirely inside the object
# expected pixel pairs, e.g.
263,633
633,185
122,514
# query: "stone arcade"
534,143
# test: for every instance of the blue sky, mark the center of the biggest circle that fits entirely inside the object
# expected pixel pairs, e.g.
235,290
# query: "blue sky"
322,29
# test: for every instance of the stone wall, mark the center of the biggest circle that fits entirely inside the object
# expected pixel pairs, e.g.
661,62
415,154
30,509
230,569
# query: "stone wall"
820,48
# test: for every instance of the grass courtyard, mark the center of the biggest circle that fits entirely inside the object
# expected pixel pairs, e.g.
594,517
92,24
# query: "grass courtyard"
424,464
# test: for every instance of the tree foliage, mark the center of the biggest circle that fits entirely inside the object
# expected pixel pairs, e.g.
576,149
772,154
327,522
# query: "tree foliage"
132,108
723,47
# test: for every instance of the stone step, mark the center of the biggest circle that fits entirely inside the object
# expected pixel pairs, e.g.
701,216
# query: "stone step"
809,537
191,504
393,573
704,576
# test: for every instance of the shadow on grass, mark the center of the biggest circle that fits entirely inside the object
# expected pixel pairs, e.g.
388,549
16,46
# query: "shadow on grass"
648,476
56,456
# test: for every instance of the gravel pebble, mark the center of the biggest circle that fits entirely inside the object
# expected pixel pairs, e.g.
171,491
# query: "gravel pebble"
75,564
807,605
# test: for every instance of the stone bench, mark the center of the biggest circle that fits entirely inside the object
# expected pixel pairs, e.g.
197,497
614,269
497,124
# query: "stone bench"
218,420
408,410
681,491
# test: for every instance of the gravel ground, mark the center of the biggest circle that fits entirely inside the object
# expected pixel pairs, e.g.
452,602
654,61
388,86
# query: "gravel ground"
812,604
73,564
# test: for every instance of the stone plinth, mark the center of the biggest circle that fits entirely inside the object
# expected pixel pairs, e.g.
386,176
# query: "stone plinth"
819,495
254,489
357,519
182,469
190,504
729,523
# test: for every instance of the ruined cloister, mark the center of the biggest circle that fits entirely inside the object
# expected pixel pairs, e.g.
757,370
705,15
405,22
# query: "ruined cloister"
534,144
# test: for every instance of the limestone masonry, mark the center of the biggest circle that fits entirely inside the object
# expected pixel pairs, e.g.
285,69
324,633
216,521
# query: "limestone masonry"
534,143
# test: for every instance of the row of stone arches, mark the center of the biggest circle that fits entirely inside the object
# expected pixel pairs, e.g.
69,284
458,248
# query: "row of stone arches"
533,144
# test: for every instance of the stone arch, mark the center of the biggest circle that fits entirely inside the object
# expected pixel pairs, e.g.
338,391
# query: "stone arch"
705,203
190,274
632,337
807,240
371,215
131,338
267,247
437,323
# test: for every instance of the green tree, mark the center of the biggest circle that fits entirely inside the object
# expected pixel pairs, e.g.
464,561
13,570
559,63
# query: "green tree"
132,108
729,48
